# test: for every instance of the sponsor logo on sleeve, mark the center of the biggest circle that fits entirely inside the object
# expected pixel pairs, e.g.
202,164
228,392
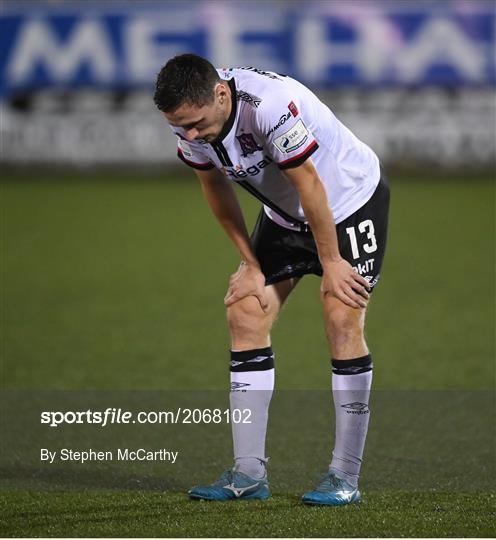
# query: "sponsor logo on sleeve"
293,109
281,121
185,148
294,138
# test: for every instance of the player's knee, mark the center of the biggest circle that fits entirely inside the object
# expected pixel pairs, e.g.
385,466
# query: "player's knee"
247,315
344,323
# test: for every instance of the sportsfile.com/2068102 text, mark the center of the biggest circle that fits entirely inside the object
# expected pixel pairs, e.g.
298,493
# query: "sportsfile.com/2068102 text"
113,415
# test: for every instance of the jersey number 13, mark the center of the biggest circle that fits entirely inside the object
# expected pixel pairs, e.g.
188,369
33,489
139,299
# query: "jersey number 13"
365,226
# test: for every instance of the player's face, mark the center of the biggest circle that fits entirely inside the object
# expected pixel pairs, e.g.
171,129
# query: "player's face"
204,123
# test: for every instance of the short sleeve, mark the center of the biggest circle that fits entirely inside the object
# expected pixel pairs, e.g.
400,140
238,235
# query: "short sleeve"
192,155
286,131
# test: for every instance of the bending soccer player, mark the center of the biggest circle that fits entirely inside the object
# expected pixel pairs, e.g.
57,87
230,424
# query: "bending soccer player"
325,208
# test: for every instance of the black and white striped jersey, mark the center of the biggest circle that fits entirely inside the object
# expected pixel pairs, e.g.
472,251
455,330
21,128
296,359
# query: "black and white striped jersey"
277,123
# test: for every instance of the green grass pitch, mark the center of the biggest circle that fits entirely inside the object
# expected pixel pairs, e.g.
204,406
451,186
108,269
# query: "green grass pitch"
114,280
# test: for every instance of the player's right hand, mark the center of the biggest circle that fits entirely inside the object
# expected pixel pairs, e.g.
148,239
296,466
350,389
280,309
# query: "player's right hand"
247,281
343,282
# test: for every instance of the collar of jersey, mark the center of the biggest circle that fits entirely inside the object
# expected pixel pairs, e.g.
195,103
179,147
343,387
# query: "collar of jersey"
226,128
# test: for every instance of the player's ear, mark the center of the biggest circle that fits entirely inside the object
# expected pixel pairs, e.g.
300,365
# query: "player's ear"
221,91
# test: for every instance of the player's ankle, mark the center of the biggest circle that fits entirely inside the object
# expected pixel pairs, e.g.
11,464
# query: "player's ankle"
251,466
352,479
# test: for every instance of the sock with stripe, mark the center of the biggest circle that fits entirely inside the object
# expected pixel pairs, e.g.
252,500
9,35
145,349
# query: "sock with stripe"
351,382
252,384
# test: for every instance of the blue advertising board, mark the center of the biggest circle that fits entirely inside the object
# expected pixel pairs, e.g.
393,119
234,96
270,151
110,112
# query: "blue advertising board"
123,44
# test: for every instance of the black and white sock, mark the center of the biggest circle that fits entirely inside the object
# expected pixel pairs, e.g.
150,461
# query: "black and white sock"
351,382
252,384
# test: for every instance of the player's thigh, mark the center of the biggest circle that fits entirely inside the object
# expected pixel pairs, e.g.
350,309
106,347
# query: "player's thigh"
247,313
277,293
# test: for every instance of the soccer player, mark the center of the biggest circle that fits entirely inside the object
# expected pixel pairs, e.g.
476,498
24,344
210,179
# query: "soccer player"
325,209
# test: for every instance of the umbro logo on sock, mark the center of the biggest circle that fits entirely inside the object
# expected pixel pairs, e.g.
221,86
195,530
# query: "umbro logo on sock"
236,386
356,408
235,363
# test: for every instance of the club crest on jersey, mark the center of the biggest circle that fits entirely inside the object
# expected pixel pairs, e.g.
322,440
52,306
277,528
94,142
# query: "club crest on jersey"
248,144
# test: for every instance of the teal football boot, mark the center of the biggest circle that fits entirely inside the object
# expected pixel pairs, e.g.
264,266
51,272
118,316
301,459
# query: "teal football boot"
232,486
332,491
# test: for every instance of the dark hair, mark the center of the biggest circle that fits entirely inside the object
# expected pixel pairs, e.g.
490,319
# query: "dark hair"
187,78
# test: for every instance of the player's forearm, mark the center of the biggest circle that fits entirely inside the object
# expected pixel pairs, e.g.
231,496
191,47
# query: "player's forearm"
315,205
321,222
224,205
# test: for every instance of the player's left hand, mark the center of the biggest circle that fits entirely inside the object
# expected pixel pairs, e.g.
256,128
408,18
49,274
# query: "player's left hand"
247,281
342,281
